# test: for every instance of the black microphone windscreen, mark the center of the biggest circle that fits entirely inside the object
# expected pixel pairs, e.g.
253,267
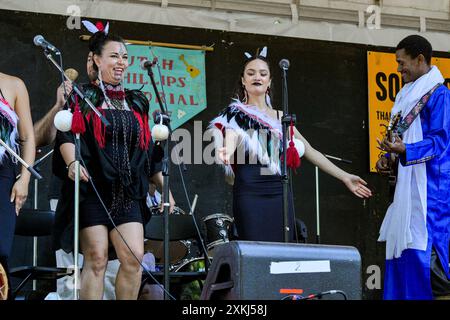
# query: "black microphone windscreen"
284,64
144,64
38,40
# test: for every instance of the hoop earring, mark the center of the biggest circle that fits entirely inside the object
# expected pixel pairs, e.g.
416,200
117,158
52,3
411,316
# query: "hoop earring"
267,98
99,75
245,95
102,87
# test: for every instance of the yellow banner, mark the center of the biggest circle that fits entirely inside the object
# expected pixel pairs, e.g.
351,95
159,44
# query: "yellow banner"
384,82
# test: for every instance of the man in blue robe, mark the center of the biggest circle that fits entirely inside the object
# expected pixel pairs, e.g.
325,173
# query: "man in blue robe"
416,227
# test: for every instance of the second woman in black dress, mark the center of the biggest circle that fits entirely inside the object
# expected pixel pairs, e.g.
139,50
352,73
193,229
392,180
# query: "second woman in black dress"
250,151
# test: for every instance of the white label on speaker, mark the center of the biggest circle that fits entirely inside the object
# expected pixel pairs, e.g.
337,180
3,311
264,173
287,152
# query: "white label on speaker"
300,266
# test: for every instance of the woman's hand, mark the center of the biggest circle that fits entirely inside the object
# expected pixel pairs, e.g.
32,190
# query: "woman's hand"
223,155
226,151
84,176
357,185
19,193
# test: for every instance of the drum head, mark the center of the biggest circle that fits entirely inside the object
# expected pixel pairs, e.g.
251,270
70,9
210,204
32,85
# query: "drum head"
181,225
178,250
216,216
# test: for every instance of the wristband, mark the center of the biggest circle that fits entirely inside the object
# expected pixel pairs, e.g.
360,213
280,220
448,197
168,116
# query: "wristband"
68,166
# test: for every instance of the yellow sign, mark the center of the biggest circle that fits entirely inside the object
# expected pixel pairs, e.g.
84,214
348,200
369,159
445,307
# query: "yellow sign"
384,82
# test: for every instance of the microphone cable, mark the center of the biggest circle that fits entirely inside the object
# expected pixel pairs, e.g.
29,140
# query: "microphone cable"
121,236
324,293
66,96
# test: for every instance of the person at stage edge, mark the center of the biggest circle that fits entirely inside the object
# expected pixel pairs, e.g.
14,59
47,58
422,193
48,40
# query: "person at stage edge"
417,223
248,137
16,131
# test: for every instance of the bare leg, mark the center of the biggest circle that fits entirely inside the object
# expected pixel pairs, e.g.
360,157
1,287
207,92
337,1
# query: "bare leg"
94,245
129,276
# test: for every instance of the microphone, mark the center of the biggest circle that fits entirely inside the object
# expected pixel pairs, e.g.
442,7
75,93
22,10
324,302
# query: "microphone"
339,159
284,64
146,64
39,41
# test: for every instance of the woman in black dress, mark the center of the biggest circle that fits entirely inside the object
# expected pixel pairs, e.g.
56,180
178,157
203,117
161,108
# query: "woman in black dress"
15,126
251,149
117,159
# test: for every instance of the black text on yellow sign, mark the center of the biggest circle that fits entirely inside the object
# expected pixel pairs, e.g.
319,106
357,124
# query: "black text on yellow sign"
384,82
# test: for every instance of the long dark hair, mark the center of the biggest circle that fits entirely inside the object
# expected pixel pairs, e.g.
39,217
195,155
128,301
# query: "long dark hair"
239,91
98,41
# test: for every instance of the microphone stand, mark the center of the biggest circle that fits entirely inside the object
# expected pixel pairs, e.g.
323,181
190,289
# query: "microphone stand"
75,88
286,120
183,168
76,228
18,158
35,207
200,239
165,172
316,168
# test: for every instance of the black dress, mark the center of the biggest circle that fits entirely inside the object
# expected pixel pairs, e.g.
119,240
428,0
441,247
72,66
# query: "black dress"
258,205
257,188
118,159
7,209
8,172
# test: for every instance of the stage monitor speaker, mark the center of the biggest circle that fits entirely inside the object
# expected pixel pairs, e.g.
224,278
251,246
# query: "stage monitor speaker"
251,270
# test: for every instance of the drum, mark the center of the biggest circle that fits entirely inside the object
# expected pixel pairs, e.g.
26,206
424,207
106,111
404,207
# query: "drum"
191,290
178,250
3,284
217,230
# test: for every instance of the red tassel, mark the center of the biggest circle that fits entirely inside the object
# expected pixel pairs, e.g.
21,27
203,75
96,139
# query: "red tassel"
144,138
78,125
141,128
292,158
99,128
148,133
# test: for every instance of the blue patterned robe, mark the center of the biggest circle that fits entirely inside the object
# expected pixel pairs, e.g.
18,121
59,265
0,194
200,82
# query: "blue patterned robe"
409,277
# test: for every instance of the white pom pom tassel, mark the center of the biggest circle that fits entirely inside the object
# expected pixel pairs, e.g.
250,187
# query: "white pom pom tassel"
63,120
160,132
